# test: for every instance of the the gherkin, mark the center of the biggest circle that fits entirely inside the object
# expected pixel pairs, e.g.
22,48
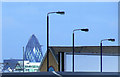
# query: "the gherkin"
33,52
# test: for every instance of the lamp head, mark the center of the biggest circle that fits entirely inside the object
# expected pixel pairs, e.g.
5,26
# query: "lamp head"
60,12
111,40
86,30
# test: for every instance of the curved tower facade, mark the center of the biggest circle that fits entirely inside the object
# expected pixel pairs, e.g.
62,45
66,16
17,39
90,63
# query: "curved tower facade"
33,52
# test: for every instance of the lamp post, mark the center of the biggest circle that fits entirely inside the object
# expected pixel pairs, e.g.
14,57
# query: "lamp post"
59,12
112,40
23,59
86,30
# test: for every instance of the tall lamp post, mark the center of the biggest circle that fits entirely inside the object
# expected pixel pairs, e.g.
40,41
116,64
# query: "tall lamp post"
112,40
59,12
23,59
86,30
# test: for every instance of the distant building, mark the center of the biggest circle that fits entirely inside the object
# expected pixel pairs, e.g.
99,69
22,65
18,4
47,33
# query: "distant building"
33,52
32,59
57,55
16,65
10,65
31,66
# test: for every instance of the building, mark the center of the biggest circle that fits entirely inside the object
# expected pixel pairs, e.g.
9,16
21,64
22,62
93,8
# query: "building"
29,66
57,55
10,64
33,52
16,65
32,59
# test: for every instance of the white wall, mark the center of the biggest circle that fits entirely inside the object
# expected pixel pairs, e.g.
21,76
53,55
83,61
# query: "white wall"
86,63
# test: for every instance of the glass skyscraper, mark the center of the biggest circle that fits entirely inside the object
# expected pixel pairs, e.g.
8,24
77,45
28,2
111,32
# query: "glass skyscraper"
33,52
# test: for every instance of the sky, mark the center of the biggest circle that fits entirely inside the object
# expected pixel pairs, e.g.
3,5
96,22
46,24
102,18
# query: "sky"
60,0
22,19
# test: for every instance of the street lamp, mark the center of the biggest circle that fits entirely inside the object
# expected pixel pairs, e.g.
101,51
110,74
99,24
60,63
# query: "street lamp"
59,12
23,59
85,30
112,40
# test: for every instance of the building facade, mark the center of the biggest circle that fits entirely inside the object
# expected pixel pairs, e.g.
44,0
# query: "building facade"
16,65
28,66
57,55
32,58
33,52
